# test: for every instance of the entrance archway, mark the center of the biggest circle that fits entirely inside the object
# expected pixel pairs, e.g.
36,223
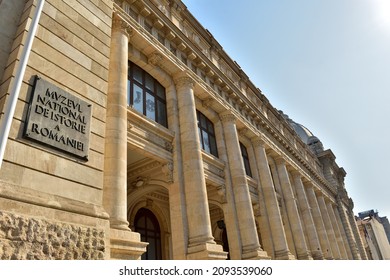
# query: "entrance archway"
147,225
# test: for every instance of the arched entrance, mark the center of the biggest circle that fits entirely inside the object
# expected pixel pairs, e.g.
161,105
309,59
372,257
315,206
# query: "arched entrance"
147,225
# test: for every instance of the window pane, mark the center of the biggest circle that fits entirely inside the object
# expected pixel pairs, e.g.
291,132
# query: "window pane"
128,91
206,142
210,127
149,82
150,106
138,98
202,121
161,113
247,168
213,146
160,91
137,74
200,138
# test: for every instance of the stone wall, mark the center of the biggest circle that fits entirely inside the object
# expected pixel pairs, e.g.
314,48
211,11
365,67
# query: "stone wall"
24,237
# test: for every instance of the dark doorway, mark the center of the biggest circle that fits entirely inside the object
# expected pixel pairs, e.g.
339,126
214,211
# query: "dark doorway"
147,225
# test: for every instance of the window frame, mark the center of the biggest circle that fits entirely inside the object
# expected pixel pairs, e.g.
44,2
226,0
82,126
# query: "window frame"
245,159
207,129
158,93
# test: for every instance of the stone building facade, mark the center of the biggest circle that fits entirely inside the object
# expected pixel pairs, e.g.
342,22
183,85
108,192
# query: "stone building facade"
176,154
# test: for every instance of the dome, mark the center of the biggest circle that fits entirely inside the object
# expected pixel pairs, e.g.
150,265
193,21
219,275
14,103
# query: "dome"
305,134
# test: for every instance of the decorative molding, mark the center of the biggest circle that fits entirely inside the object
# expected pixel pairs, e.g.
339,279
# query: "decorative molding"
185,82
167,169
155,59
256,210
207,103
228,117
221,191
140,182
118,23
143,169
243,131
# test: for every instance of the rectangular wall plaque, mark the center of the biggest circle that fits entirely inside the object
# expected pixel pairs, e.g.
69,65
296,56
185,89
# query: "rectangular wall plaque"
59,119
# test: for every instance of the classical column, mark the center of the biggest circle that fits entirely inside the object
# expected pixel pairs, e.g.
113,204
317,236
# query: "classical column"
356,234
201,244
303,203
339,238
251,248
319,222
124,244
348,231
329,227
115,156
343,232
271,202
292,211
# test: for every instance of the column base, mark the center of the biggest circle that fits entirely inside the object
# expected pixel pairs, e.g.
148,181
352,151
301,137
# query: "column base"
318,255
256,254
126,245
304,256
284,255
206,251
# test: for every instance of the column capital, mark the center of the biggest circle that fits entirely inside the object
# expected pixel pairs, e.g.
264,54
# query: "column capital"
228,117
184,82
297,174
280,160
258,141
120,24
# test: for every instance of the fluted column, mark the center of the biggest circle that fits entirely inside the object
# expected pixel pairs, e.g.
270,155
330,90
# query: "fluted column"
329,227
292,211
251,248
319,222
339,238
200,239
115,155
307,217
271,202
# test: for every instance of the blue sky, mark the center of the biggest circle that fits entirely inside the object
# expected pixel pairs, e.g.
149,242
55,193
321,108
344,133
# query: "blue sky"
326,64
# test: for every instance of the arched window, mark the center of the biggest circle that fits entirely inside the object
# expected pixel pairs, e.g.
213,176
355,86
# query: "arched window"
146,95
245,158
146,224
206,134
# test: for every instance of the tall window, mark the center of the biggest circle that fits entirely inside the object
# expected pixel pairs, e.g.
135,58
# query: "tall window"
146,95
147,225
245,158
207,134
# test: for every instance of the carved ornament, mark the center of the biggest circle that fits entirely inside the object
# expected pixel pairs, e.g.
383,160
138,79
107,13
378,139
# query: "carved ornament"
228,118
185,82
118,23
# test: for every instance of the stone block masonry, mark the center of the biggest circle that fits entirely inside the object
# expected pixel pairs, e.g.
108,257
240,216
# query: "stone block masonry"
23,237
